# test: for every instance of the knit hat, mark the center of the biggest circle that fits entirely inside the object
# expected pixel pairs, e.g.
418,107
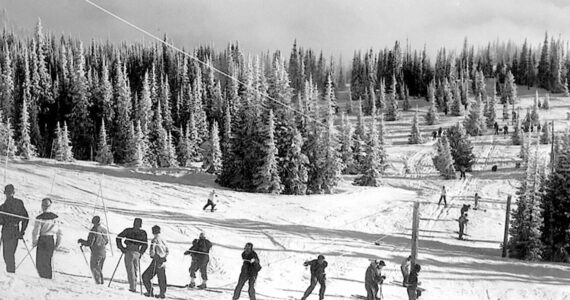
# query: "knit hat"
155,229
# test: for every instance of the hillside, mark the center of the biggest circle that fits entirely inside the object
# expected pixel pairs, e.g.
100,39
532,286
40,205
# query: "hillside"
287,230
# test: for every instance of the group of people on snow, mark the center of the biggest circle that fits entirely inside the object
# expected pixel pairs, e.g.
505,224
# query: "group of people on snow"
462,220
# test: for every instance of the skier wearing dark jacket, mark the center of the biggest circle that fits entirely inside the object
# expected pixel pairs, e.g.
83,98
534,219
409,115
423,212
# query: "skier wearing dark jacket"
136,243
11,231
373,278
97,241
318,267
249,271
200,258
412,285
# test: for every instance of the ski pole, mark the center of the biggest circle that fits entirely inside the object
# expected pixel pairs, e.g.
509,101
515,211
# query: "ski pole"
112,276
85,259
24,258
140,276
30,254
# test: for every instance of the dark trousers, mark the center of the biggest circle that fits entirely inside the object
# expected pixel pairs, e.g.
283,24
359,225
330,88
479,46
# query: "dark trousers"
412,294
150,272
243,277
405,276
462,174
371,291
8,250
96,265
199,263
322,281
461,229
44,253
444,200
210,203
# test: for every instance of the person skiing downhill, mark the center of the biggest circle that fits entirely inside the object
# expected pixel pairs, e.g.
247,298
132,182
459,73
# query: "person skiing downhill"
211,201
200,257
405,268
45,228
443,197
97,241
318,267
136,244
158,253
249,271
373,279
11,230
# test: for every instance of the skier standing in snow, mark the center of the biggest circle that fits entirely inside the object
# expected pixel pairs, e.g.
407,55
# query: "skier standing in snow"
97,241
45,228
318,267
412,284
200,257
505,129
405,268
496,126
372,280
158,252
462,222
465,208
476,206
249,271
11,230
211,201
439,131
442,197
135,245
462,172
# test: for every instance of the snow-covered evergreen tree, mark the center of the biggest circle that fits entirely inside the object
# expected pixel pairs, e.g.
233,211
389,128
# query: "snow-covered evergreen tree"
372,166
509,89
443,161
104,154
517,135
58,145
461,147
432,115
266,179
349,103
490,114
25,147
565,91
546,102
534,116
295,174
7,144
346,146
332,164
359,138
475,122
525,230
406,102
142,155
170,153
457,106
415,134
545,137
66,144
392,113
213,154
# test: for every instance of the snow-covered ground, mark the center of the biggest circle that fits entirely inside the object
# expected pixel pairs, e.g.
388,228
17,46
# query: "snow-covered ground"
287,230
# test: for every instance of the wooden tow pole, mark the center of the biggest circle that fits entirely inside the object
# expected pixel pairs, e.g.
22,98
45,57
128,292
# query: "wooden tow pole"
415,228
507,221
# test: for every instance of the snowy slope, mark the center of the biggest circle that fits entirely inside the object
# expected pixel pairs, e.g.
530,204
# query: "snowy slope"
288,230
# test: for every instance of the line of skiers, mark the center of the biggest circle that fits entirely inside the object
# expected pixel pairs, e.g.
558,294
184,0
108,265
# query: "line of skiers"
133,243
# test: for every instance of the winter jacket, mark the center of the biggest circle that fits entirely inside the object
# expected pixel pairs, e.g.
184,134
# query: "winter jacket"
46,224
317,269
135,240
463,220
97,239
200,245
10,228
372,276
249,268
158,250
443,192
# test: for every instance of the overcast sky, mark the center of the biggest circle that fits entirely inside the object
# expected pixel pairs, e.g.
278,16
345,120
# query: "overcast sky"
334,26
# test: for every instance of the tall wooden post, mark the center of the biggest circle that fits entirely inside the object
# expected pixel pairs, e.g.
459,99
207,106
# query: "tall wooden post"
105,210
415,227
507,221
552,154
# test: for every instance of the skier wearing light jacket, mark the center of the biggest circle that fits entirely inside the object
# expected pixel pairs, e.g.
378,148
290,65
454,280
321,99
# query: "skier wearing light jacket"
47,237
158,253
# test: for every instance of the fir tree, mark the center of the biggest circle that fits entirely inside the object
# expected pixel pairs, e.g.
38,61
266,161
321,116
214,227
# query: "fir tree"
415,135
359,135
461,147
372,166
145,105
525,233
474,122
213,159
121,123
7,144
266,179
66,144
25,147
546,102
332,164
406,102
546,138
58,148
534,116
432,117
142,155
457,106
544,66
170,153
491,115
294,172
349,103
510,89
346,146
443,160
392,109
104,154
517,135
6,83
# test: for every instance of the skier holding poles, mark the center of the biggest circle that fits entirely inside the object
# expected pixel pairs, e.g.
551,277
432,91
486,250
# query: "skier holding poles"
96,241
